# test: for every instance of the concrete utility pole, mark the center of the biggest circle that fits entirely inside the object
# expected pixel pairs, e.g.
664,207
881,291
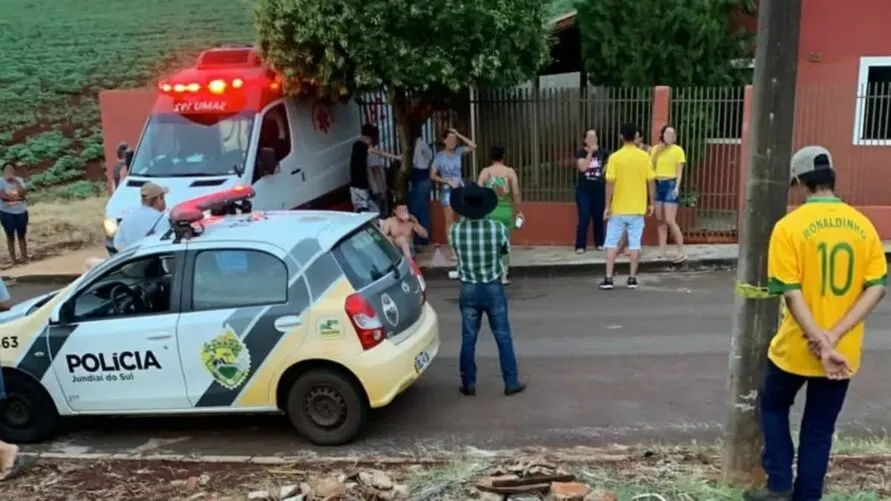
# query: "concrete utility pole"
766,195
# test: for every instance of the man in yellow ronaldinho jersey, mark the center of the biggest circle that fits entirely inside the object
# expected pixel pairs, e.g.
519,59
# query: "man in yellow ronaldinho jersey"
827,260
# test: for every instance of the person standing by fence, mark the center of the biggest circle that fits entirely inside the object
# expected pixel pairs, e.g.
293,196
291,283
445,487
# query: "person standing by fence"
119,171
421,187
447,170
590,192
14,211
668,161
503,181
629,198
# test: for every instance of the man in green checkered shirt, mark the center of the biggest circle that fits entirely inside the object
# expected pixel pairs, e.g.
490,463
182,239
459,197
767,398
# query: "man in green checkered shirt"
480,243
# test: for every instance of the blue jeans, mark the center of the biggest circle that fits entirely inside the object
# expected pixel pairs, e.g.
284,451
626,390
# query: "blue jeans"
590,200
665,191
488,298
823,403
419,203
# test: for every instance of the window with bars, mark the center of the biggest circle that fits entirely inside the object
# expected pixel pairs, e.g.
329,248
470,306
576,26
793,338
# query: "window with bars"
872,119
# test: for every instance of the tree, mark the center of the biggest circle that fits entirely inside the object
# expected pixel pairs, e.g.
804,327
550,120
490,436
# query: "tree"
662,42
423,54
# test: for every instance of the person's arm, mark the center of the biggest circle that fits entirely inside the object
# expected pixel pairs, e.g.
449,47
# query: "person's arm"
873,291
584,161
515,191
382,153
681,162
784,278
434,174
470,145
417,228
610,184
651,190
484,176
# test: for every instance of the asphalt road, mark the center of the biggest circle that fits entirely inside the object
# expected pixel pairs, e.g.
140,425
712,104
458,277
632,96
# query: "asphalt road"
602,367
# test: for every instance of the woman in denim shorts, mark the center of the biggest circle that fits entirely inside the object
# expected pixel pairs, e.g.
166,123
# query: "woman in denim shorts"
446,170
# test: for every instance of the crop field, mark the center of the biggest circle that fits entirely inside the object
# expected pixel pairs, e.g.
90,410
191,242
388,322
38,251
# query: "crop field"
56,55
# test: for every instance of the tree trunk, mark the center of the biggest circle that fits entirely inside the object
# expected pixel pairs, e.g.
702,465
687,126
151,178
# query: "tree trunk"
409,127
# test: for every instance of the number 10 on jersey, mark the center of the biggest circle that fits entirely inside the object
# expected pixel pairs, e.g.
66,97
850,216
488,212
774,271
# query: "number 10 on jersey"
836,258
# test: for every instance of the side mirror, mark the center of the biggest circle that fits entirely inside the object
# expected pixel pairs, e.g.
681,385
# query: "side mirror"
63,314
267,161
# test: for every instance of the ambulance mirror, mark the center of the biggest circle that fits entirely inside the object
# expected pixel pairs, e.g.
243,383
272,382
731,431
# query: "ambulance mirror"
267,161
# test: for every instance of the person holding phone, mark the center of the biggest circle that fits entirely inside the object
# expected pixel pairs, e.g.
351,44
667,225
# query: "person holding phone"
14,211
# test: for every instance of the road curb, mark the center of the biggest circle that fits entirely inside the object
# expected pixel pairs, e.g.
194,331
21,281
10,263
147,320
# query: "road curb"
556,456
530,271
565,269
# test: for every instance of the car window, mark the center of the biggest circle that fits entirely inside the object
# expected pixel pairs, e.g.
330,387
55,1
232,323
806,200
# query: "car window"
233,278
366,256
138,287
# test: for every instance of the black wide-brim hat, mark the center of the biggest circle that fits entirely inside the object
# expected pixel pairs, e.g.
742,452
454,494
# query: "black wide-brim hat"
473,201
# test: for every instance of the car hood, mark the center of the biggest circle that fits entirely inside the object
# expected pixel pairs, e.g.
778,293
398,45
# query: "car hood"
20,310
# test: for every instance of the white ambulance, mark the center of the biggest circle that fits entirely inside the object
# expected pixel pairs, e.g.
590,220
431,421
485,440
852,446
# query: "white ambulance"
226,122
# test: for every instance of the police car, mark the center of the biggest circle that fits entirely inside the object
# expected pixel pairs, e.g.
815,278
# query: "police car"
310,313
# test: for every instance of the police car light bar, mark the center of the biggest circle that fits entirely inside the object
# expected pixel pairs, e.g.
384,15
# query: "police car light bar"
193,210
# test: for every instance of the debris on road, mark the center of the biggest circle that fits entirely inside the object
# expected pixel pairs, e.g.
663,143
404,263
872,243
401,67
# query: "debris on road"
674,473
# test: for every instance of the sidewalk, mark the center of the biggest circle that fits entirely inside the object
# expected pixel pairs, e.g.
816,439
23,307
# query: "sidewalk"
525,259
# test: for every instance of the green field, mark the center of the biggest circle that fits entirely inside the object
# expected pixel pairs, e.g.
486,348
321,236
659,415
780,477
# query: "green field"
58,54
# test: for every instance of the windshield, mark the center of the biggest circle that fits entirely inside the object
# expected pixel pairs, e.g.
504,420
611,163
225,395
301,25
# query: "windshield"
211,144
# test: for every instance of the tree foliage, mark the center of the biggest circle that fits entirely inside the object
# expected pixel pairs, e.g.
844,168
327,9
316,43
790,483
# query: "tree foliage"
429,50
662,42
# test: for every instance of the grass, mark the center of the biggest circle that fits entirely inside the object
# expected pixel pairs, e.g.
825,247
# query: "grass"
58,54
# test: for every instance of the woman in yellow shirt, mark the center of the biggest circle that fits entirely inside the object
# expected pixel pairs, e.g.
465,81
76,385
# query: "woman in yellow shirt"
668,162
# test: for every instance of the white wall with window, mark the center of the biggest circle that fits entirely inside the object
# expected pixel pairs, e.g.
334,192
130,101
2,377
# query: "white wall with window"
872,116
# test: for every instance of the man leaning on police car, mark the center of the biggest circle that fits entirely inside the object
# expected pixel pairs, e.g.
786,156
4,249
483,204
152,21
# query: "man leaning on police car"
149,218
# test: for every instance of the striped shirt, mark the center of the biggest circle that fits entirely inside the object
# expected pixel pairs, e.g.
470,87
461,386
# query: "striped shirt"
480,245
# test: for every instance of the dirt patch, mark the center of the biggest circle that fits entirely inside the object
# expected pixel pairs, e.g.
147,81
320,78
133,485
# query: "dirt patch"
679,475
60,226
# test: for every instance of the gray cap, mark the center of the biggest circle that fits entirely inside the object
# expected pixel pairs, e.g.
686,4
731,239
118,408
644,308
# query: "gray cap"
810,159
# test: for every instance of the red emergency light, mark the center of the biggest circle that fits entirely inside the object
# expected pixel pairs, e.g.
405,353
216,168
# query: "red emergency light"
217,86
192,211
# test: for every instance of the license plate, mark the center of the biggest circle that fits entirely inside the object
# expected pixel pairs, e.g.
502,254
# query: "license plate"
421,361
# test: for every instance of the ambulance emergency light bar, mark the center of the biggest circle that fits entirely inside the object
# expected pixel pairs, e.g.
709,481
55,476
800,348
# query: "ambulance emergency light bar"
231,201
216,87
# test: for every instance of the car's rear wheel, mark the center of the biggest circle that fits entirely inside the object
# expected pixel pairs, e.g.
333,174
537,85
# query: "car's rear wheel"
27,414
327,407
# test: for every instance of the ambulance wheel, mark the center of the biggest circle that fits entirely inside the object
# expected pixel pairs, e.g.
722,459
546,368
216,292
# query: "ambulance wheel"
327,407
28,414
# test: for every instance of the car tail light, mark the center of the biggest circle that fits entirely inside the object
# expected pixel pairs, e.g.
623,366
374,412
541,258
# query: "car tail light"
423,283
368,326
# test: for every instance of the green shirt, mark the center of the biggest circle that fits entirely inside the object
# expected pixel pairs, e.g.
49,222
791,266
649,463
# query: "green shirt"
479,244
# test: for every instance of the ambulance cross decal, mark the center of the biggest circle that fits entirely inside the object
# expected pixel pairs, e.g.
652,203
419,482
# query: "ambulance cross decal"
322,118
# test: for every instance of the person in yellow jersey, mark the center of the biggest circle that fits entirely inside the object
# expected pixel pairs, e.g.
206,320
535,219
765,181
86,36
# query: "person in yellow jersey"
828,262
630,192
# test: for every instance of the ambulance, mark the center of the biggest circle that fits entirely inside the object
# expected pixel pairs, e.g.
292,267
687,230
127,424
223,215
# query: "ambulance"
314,314
226,122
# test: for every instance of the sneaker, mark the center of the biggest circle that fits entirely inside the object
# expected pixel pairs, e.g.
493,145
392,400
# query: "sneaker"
767,495
607,283
632,283
580,251
467,391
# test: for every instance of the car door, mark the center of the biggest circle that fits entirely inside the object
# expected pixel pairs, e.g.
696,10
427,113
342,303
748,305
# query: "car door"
240,302
277,190
108,357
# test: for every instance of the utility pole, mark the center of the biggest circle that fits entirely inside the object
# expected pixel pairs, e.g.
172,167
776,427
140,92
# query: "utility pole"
766,196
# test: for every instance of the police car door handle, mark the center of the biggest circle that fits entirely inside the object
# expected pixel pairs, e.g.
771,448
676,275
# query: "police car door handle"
296,171
159,338
286,323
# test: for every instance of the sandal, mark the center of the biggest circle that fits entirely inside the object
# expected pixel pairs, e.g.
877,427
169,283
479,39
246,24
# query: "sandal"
680,259
20,466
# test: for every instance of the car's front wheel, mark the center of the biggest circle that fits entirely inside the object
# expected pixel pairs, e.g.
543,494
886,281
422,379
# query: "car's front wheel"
27,414
327,407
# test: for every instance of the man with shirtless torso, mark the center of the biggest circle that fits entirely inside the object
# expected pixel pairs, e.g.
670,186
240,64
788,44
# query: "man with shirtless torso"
401,229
